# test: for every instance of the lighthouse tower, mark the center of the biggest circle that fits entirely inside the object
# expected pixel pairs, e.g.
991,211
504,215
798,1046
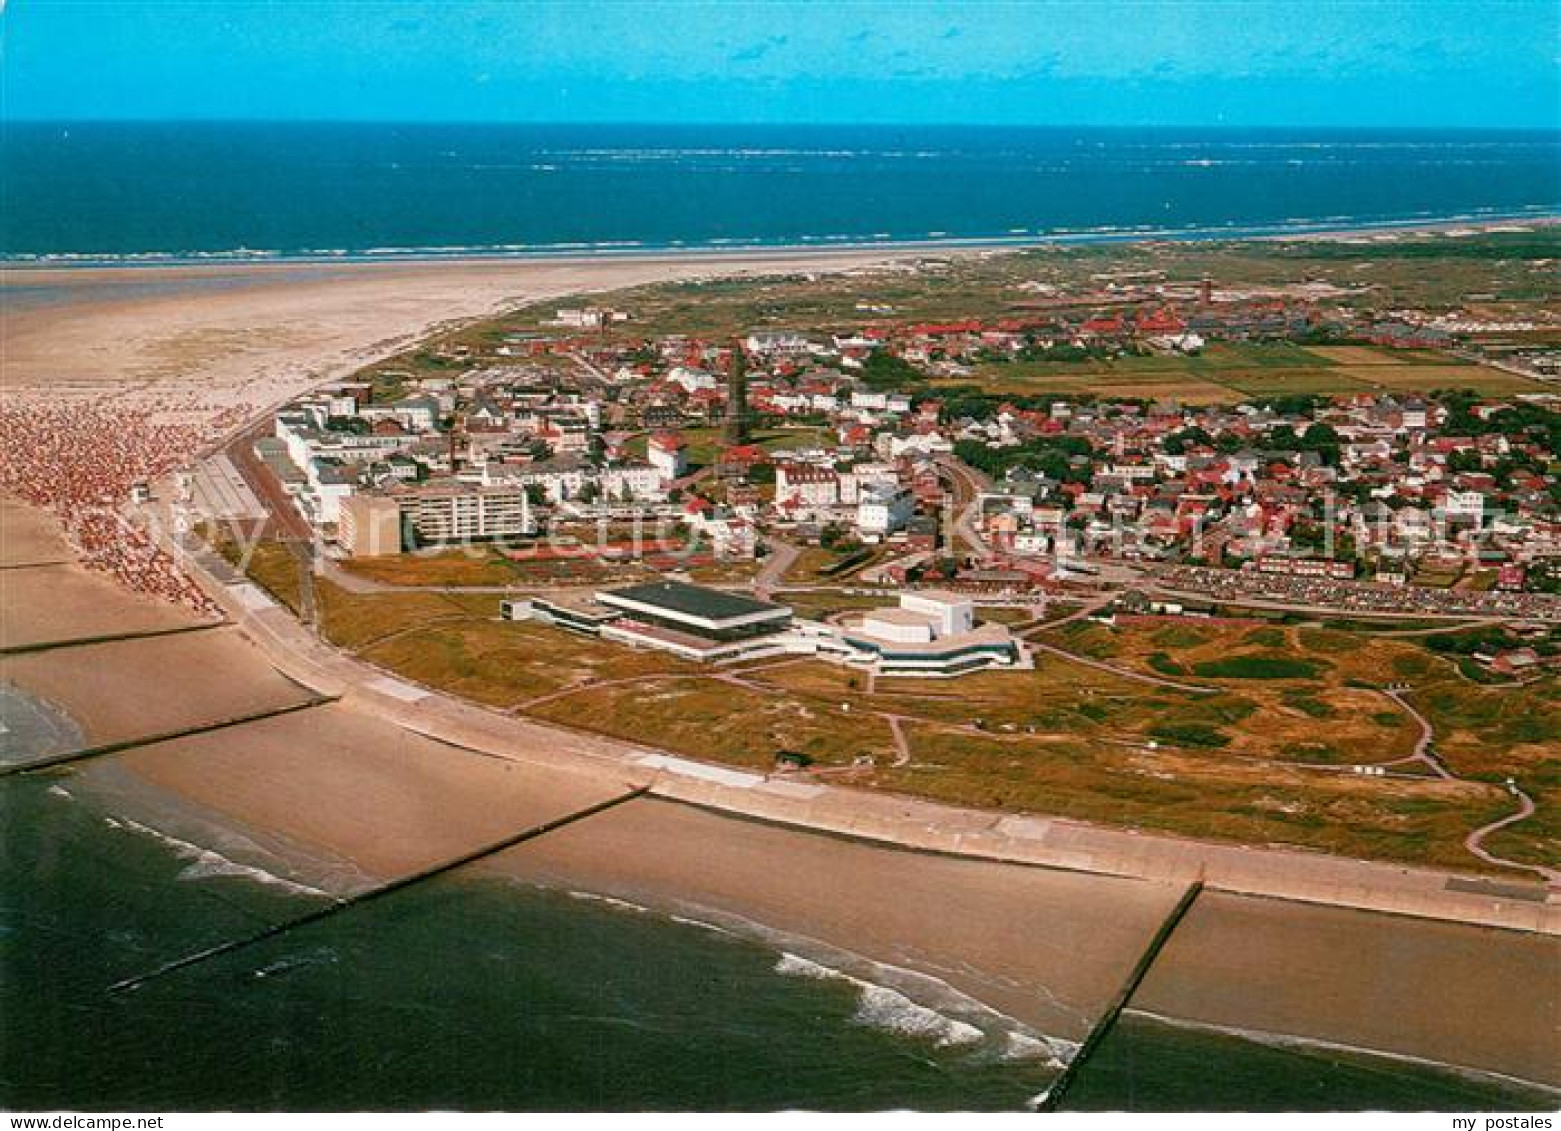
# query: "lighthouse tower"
736,429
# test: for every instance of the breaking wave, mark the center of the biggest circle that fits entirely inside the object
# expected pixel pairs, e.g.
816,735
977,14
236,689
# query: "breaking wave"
879,1007
891,999
617,248
206,863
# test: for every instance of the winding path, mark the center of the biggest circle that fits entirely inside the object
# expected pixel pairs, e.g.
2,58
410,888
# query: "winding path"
1474,842
1124,673
1422,751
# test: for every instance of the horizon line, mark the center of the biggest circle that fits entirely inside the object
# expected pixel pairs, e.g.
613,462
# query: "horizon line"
5,120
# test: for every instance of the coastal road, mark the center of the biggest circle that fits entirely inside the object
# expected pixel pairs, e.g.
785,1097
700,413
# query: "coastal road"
291,525
1346,612
968,484
783,555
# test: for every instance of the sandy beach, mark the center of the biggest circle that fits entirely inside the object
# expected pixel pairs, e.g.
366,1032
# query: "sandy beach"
1445,992
106,690
1046,947
200,339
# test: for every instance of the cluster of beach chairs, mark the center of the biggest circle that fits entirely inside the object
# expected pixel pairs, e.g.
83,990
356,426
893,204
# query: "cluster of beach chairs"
84,461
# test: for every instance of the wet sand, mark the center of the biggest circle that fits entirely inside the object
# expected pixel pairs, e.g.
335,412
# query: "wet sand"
198,340
1045,947
1472,996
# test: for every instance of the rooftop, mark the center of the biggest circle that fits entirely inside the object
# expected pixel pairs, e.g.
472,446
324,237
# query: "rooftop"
694,600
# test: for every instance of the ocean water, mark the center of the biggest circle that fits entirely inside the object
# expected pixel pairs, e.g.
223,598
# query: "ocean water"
481,994
110,191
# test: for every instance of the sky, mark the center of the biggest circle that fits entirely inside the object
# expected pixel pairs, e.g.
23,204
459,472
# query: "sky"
1170,62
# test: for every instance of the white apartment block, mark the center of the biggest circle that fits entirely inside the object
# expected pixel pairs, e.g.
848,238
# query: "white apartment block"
460,512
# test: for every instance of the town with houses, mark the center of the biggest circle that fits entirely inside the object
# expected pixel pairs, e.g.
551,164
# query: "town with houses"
871,440
1255,545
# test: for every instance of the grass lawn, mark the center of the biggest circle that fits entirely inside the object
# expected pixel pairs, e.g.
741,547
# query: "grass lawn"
1065,738
1254,665
710,719
1197,796
1234,371
502,664
477,565
818,604
811,564
1427,378
1291,382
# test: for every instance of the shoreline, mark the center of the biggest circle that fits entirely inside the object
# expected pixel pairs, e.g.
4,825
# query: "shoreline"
880,818
861,825
1317,1046
781,249
215,845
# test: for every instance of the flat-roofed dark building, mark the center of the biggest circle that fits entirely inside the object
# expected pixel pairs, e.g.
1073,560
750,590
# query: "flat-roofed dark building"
695,610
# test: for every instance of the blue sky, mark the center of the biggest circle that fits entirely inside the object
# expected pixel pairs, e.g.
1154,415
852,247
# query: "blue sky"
1174,62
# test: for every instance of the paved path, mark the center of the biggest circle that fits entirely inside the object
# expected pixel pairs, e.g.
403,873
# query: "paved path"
1123,673
1438,629
1422,752
1475,840
902,748
783,555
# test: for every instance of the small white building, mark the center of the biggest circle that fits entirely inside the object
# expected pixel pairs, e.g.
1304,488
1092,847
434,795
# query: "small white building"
1464,504
668,454
930,634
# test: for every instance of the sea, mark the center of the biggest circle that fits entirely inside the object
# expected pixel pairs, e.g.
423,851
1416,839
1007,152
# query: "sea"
482,993
160,191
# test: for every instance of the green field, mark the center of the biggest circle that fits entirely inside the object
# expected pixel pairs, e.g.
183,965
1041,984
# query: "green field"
1233,372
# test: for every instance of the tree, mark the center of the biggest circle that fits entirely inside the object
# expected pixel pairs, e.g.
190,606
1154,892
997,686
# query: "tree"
884,371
